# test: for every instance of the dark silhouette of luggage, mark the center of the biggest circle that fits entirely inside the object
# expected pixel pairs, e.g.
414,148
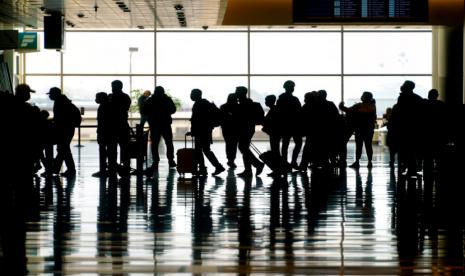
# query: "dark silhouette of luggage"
137,147
186,159
277,164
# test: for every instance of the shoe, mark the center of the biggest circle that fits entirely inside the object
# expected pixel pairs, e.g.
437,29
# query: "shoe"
259,169
232,165
99,174
68,173
172,164
369,165
355,165
218,170
245,174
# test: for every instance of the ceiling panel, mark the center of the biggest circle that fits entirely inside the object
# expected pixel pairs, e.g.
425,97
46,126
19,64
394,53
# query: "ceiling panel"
114,14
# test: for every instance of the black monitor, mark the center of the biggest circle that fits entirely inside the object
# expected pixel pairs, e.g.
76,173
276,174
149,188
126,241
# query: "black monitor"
53,31
8,39
360,11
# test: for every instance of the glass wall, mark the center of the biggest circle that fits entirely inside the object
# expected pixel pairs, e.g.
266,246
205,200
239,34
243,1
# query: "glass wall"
345,62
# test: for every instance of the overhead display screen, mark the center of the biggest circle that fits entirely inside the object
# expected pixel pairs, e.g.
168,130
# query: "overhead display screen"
305,11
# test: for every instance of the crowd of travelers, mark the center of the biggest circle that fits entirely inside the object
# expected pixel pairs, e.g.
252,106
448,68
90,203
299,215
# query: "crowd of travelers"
418,129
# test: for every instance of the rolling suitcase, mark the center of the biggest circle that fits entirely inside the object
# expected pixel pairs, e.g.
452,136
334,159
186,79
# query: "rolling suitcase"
277,164
186,159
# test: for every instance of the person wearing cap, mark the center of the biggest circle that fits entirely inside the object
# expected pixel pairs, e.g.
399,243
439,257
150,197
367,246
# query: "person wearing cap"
31,113
64,130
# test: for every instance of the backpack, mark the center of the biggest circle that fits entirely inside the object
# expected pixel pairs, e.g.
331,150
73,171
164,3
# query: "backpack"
75,115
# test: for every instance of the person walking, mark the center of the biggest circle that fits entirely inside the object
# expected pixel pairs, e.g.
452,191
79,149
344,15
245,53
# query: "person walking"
201,130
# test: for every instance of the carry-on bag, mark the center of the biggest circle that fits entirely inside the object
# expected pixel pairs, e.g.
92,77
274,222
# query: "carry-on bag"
186,159
275,162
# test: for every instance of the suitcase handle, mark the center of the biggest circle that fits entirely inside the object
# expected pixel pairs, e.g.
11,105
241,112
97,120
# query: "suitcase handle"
185,139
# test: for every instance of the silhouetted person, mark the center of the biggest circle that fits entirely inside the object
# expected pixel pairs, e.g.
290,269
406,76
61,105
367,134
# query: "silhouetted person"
141,104
407,126
249,114
436,128
201,130
120,103
105,132
363,116
271,124
389,139
46,142
308,112
64,131
289,108
159,108
323,131
229,129
17,155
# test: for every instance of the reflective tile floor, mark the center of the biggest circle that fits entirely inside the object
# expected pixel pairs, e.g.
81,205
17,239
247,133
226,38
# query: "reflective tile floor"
352,222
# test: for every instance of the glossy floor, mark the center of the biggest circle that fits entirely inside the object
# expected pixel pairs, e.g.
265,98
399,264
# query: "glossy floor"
353,222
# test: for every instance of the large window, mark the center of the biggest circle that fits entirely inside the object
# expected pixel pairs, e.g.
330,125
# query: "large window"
344,62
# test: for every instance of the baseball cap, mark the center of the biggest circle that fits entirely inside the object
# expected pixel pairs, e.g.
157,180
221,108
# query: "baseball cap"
23,88
54,91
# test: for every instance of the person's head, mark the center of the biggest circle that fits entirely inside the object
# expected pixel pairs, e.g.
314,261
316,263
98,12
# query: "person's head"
23,92
322,94
196,94
289,86
116,86
407,87
310,96
367,97
241,93
159,91
101,97
270,100
433,94
147,93
44,114
54,93
232,99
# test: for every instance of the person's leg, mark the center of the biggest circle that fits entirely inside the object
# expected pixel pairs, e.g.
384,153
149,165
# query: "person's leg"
297,147
358,149
244,144
199,160
368,140
68,155
124,148
285,140
168,137
155,137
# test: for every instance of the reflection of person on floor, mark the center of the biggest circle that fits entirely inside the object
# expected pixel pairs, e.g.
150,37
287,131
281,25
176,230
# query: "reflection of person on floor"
201,130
